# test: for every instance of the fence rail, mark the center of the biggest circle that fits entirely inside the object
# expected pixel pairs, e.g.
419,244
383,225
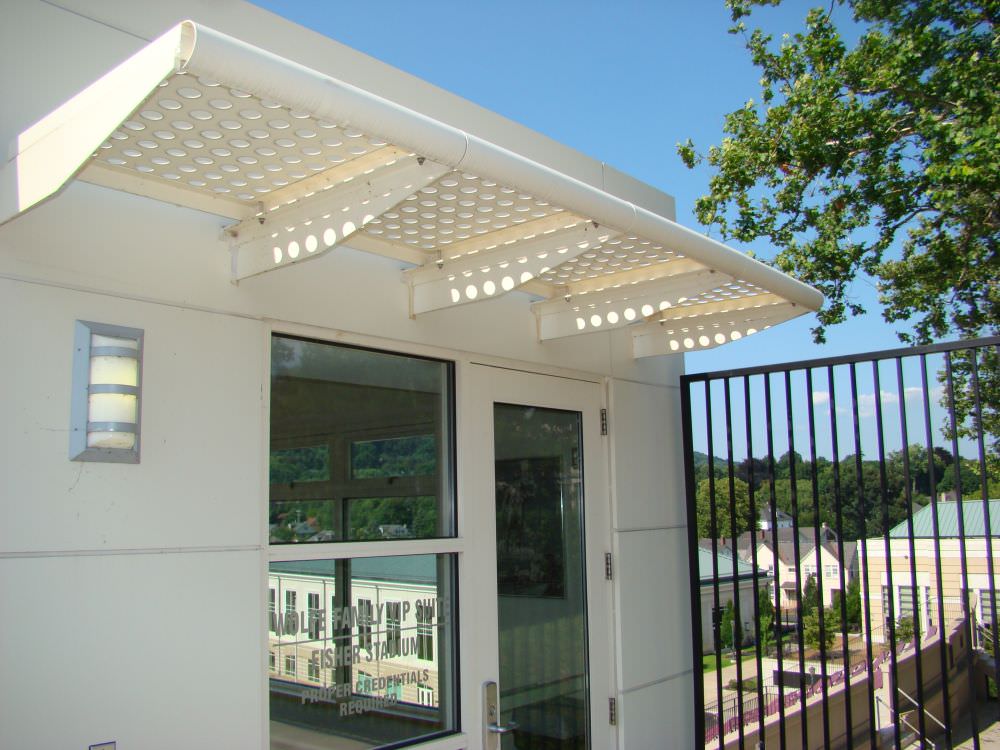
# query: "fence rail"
827,493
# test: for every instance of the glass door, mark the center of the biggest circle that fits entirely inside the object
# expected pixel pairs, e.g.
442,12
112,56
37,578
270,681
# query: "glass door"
542,665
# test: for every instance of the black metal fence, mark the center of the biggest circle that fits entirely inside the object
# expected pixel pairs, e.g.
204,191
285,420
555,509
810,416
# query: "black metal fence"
843,519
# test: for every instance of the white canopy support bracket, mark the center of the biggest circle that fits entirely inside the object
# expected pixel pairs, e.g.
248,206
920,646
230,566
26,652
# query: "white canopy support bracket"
492,265
695,328
618,306
311,226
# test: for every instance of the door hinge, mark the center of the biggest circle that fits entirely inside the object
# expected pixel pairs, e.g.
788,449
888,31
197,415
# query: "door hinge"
604,421
613,711
608,570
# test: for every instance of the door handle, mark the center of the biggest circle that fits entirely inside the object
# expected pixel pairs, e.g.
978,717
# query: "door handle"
491,713
502,728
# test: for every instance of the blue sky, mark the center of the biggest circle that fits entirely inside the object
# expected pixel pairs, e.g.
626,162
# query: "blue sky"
622,82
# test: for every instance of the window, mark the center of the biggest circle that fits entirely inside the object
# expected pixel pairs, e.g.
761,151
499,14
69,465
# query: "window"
986,607
425,631
905,602
271,612
361,444
315,615
365,624
361,450
886,608
371,600
425,695
830,571
270,659
393,628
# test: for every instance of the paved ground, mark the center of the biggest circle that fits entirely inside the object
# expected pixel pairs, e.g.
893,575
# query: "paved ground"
989,729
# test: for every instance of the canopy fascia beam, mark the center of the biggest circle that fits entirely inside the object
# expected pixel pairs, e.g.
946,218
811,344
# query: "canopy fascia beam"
510,264
710,330
619,306
54,150
314,225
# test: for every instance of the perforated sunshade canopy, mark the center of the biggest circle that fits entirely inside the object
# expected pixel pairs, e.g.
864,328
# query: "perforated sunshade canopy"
303,162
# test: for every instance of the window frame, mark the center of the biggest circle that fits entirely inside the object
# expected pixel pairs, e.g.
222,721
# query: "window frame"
340,491
452,545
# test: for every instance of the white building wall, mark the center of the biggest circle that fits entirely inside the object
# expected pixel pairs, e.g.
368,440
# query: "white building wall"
653,600
130,589
164,549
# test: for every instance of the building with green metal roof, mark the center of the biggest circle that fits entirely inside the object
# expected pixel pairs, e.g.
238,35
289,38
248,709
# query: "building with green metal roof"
910,579
972,514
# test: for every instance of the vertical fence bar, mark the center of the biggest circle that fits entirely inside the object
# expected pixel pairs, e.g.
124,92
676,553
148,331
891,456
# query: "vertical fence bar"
908,496
987,521
793,479
751,478
839,522
942,625
818,541
887,505
863,521
887,556
714,529
779,625
694,577
737,628
960,520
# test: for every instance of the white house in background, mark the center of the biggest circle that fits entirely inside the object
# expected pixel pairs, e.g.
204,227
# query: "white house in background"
262,296
776,553
781,521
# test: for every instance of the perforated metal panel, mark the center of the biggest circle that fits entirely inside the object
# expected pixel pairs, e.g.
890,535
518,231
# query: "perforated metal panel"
200,134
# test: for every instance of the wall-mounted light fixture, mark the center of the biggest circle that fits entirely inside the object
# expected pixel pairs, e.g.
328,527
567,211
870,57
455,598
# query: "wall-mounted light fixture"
107,380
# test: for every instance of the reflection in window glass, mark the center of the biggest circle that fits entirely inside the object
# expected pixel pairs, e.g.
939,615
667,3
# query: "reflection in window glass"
372,518
302,521
357,675
307,464
361,444
541,586
394,457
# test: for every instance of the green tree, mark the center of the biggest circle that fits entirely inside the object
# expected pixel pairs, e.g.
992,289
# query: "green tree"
854,605
729,627
810,596
904,630
811,629
765,617
971,482
854,150
703,499
877,161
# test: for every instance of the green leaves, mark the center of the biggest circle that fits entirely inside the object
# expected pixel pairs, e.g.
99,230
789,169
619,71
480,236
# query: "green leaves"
880,160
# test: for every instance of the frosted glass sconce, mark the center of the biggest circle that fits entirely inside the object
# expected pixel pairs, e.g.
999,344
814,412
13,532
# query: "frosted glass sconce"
107,381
